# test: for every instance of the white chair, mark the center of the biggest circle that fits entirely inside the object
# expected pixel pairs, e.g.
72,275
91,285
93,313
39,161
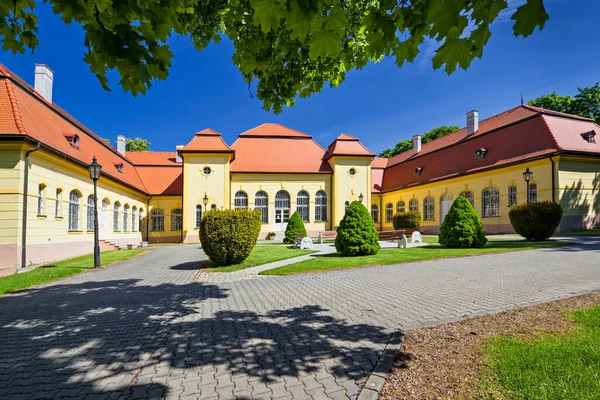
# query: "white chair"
416,237
403,243
306,243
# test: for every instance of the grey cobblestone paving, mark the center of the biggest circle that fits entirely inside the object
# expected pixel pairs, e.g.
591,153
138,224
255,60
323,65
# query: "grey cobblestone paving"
146,329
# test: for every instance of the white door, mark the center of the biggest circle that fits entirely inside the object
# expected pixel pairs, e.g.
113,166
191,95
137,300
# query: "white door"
282,210
445,204
104,221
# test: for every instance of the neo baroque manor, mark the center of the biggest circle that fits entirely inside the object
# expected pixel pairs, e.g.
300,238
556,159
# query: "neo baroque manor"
47,206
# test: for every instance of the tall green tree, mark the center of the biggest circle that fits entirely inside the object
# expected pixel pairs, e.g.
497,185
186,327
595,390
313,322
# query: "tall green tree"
407,144
585,103
137,144
290,48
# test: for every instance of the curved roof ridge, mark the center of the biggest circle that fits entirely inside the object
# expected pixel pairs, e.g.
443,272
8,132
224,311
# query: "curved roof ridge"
14,105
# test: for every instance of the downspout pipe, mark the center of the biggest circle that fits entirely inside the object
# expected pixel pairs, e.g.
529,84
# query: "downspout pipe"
553,179
148,218
25,195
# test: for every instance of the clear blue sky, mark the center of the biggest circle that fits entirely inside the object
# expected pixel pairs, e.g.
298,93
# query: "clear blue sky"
380,104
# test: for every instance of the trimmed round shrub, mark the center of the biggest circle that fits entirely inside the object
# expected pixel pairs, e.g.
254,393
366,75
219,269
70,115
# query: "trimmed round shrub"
536,221
462,226
228,236
295,226
356,234
409,219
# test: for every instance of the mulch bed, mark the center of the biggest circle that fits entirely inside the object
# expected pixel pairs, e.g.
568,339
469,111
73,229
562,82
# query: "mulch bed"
446,361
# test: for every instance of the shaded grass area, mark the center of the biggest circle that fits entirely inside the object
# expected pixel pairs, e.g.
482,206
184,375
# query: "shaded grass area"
395,256
260,255
61,269
589,232
552,366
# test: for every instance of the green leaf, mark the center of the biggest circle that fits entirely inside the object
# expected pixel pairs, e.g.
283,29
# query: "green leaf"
452,53
268,14
406,51
298,23
529,16
324,44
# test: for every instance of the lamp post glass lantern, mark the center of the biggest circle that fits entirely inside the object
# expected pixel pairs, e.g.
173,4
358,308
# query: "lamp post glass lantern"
527,177
95,169
205,201
361,198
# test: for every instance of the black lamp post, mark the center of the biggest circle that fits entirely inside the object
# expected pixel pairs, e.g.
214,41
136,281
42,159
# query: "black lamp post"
361,198
527,176
95,169
205,201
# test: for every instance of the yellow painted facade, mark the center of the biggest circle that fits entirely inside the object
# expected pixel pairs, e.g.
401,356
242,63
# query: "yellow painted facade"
579,191
347,185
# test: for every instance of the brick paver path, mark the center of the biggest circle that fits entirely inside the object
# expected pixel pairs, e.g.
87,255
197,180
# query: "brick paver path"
147,329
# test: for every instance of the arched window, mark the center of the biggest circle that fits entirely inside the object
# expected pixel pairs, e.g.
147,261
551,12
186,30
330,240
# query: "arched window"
240,200
512,195
157,220
176,219
74,210
125,217
429,209
90,212
261,201
198,215
57,212
375,212
490,199
116,216
389,212
400,206
533,192
282,207
321,206
140,217
40,204
302,204
469,195
445,204
413,205
133,219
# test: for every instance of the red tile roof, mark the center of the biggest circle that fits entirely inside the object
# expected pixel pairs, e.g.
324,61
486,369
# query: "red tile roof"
516,135
164,158
274,130
346,145
206,141
166,181
379,162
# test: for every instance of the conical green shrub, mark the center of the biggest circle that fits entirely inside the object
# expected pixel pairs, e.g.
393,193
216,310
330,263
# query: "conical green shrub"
356,234
462,226
294,227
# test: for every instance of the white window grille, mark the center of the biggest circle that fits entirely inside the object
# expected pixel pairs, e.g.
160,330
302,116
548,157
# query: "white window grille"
321,206
40,200
413,205
429,209
57,203
512,196
133,219
302,205
116,207
74,211
469,195
125,217
176,219
240,200
490,202
389,212
90,212
261,201
533,192
400,207
157,220
375,212
198,215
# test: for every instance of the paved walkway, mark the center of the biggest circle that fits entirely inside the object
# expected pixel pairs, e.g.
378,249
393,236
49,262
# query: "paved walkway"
145,329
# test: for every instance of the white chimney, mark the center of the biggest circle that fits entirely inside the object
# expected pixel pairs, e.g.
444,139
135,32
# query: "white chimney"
43,81
121,144
472,122
416,144
177,156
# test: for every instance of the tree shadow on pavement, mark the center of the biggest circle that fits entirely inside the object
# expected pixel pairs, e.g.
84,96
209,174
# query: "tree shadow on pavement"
120,337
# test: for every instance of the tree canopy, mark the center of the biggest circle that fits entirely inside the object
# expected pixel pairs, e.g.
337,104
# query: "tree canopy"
290,48
137,144
407,144
585,103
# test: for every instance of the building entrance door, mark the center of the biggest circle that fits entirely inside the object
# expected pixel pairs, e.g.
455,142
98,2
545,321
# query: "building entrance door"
445,204
282,210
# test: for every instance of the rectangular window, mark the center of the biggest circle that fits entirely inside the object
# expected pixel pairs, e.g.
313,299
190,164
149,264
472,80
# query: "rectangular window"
512,196
40,200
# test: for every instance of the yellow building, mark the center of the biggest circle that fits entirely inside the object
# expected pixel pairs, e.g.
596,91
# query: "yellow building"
46,195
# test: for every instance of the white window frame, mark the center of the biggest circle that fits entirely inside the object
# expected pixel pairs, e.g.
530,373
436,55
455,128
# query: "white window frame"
303,205
321,206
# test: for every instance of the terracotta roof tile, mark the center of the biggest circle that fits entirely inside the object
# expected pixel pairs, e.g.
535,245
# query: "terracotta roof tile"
274,130
166,181
379,162
346,145
206,141
164,158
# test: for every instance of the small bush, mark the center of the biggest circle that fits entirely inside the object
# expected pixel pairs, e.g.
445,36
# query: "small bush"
536,221
356,234
462,226
228,236
409,219
294,227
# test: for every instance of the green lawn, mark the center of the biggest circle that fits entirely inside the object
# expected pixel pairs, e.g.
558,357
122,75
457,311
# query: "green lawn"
261,255
553,366
60,269
395,256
